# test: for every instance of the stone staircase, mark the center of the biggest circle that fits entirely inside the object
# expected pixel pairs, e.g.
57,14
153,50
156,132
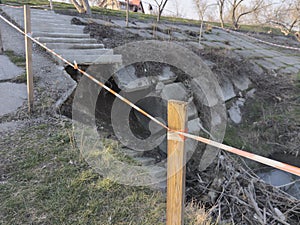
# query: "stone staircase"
68,40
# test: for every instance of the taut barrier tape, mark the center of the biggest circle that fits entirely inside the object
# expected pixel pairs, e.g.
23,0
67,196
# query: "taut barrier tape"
256,39
254,157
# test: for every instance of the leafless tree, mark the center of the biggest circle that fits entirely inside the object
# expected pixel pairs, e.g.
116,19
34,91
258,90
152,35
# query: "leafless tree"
238,10
161,4
221,5
286,16
176,4
82,6
202,6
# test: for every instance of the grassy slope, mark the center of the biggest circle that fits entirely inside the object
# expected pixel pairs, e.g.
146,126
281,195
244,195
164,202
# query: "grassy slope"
46,181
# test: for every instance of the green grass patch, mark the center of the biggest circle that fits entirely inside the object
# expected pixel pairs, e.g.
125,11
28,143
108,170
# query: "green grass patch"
46,181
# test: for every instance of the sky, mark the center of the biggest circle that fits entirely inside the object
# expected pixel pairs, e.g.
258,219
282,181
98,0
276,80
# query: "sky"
186,7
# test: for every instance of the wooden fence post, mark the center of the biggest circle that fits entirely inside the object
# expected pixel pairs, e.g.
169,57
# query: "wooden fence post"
177,119
51,5
28,49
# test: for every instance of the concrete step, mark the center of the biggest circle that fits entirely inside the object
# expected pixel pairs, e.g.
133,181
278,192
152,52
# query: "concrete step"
88,60
128,81
60,35
54,23
73,46
76,52
70,29
66,40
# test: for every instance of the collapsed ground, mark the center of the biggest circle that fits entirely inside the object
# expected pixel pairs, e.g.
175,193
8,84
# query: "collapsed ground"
43,170
270,127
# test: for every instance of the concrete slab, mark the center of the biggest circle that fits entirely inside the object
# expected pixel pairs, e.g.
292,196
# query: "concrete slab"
175,91
179,36
142,25
276,61
60,35
73,46
235,114
195,45
185,27
167,76
212,37
8,70
66,40
71,29
143,33
266,65
289,70
12,96
227,89
127,80
93,59
99,21
266,53
122,23
192,111
216,45
289,60
160,35
247,53
194,127
76,52
241,82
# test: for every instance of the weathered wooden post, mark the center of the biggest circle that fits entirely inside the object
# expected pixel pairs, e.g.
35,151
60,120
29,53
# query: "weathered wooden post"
177,119
127,13
28,49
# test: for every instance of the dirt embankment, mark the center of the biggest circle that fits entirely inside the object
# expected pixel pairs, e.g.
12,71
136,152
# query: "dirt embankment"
270,127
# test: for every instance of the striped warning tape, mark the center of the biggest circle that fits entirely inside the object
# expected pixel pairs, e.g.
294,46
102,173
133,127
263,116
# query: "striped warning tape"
257,39
32,6
12,6
254,157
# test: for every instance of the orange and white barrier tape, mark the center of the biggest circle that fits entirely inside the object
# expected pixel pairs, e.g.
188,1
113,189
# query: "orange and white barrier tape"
12,6
254,157
257,39
248,155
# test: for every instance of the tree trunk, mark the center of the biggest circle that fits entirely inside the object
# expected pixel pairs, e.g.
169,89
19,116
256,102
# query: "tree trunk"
234,21
82,6
51,4
87,7
127,12
201,31
221,18
221,12
159,14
